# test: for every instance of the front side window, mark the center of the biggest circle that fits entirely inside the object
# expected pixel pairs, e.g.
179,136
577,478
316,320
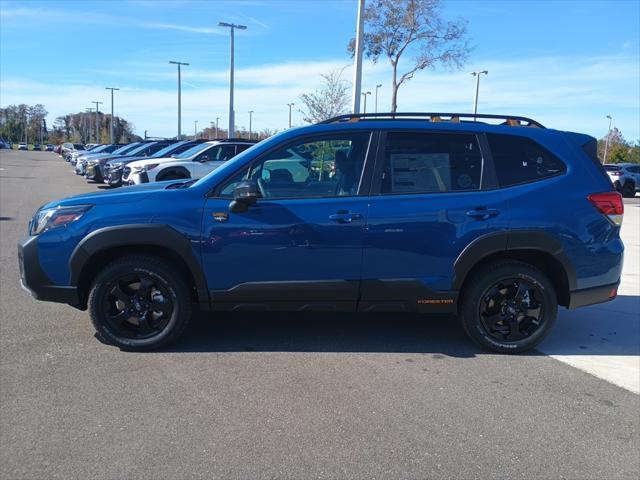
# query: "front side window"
520,160
419,162
328,167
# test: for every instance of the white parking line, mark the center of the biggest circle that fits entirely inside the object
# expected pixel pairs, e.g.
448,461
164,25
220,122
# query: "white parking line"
604,340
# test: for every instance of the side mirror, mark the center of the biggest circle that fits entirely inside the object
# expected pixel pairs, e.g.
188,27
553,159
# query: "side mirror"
245,194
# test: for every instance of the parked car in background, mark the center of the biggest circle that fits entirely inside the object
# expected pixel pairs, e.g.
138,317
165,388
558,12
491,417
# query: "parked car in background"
98,149
67,148
22,146
81,162
5,144
193,163
113,169
95,166
625,177
37,146
49,147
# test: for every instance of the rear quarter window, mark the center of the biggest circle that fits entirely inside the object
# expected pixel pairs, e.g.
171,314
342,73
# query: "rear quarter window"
520,160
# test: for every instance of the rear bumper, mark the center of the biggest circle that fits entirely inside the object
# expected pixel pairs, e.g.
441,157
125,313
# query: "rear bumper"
35,281
592,296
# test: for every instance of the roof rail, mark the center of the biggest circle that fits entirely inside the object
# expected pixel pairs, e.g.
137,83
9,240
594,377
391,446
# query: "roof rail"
511,120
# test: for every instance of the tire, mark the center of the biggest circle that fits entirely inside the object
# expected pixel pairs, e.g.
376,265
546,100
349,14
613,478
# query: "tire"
483,300
629,189
171,176
116,305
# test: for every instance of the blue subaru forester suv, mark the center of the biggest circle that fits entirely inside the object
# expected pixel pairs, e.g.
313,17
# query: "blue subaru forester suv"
495,219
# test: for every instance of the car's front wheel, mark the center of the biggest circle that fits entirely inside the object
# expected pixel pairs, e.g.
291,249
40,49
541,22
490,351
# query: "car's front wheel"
139,303
508,306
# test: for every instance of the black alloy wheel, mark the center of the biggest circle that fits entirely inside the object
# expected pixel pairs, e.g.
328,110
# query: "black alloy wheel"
140,303
511,309
138,306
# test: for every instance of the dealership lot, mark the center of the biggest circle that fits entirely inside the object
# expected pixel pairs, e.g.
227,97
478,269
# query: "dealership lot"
328,396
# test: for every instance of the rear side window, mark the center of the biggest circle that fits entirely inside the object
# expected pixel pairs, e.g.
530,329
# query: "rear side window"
521,160
418,162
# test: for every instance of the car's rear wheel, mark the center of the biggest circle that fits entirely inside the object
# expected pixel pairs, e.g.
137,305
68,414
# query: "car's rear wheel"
629,189
139,303
508,306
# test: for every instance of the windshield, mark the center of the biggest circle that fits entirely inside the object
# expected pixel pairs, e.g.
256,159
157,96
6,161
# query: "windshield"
124,149
194,151
78,146
139,149
166,151
99,148
611,168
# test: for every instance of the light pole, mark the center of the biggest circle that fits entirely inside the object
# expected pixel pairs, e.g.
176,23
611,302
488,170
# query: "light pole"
217,119
290,105
364,94
377,87
250,123
232,27
88,122
606,143
475,101
112,89
179,64
195,129
357,70
97,124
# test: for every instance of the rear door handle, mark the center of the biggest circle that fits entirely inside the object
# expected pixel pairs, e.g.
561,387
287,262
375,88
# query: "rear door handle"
483,213
344,216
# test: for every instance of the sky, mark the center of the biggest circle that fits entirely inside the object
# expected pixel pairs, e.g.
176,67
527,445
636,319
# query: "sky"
567,64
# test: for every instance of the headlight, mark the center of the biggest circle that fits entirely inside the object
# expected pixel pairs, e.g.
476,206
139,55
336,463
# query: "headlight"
51,218
140,169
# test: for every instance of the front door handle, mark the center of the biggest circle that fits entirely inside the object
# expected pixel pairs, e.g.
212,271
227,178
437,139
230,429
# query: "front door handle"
344,216
482,213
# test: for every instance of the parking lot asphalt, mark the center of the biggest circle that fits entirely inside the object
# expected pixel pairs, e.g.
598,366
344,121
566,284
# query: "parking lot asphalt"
288,396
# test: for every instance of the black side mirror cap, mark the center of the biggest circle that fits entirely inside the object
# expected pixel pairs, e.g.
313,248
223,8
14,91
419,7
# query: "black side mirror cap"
245,194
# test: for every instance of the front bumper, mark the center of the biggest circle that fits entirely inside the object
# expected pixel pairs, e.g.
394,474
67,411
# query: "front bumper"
138,178
113,176
35,281
94,172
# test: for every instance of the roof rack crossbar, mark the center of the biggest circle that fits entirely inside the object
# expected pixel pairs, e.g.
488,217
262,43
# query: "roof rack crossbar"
512,120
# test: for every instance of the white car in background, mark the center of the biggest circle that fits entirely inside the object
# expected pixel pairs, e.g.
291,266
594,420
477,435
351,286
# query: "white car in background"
193,163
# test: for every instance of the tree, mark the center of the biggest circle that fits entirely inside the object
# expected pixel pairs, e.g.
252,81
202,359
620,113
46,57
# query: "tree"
331,100
620,150
396,27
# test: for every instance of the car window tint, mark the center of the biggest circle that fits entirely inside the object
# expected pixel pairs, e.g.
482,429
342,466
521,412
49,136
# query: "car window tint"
418,162
634,169
520,160
326,167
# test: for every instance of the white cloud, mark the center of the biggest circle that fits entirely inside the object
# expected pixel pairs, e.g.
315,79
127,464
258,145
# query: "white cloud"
564,93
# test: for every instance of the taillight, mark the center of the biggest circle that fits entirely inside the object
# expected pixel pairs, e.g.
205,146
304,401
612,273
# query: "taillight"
615,174
609,204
